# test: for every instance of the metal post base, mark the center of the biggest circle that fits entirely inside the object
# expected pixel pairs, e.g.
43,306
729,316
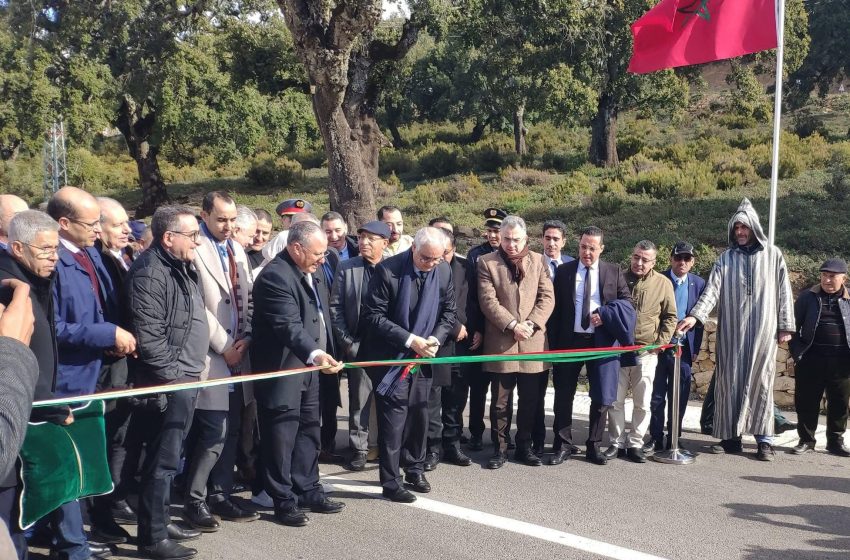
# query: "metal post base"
674,457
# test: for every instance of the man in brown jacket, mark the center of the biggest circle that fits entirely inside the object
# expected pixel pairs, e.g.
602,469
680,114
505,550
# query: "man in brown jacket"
516,299
655,304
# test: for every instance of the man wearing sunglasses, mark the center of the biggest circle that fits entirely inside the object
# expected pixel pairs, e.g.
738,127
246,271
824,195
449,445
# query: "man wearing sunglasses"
687,288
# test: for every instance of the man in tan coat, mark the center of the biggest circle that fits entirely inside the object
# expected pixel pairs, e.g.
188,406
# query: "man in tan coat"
516,299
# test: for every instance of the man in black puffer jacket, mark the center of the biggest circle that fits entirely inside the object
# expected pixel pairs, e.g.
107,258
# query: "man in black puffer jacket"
165,312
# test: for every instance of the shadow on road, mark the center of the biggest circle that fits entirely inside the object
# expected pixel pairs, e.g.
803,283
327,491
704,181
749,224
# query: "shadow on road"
834,483
817,518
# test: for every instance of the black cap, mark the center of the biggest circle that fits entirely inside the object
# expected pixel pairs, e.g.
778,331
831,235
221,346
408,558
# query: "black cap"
837,266
682,248
293,206
493,217
376,228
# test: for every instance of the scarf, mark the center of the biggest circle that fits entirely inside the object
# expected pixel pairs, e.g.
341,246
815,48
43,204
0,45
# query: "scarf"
424,316
515,263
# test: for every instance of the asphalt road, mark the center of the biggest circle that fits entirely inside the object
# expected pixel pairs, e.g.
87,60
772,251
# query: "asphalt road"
720,507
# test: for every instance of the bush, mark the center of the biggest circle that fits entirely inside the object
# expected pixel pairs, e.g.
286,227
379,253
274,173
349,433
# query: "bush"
100,175
628,145
280,172
568,189
439,160
838,185
311,159
637,164
607,203
396,162
806,124
463,189
527,177
425,197
790,162
660,182
493,154
697,180
561,161
732,170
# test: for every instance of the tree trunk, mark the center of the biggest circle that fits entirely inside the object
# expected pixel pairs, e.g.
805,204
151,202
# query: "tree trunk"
520,131
603,134
477,131
136,122
398,141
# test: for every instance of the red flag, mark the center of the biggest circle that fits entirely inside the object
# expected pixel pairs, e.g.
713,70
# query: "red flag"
683,32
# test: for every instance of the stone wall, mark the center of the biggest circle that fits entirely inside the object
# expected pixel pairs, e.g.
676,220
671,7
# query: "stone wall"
783,387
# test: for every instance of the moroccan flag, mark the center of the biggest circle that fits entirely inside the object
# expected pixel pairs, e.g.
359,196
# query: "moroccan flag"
683,32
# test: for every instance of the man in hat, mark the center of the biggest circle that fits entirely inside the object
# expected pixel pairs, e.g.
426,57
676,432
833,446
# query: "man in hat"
750,283
821,351
349,290
479,381
391,215
687,289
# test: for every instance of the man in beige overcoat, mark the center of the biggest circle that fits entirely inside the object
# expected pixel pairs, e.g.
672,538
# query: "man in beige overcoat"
516,298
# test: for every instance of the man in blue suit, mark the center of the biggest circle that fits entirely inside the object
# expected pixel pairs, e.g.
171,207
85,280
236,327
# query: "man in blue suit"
687,288
86,310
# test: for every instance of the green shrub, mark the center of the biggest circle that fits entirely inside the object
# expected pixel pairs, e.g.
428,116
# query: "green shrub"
570,188
425,197
270,171
612,186
790,162
746,138
838,185
629,145
697,180
396,162
562,161
732,170
523,176
637,164
463,189
805,124
660,182
607,203
24,177
439,160
514,201
100,175
493,154
311,159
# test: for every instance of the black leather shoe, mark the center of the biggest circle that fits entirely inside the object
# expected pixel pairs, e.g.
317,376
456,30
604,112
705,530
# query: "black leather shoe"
612,452
528,457
357,462
107,531
99,550
651,445
456,457
326,506
431,461
123,513
180,534
291,517
167,549
417,482
727,446
559,456
229,511
596,457
330,457
497,460
785,427
475,443
803,447
197,514
765,452
400,495
636,455
537,448
838,448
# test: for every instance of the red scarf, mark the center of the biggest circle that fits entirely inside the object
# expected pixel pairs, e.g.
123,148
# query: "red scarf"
515,263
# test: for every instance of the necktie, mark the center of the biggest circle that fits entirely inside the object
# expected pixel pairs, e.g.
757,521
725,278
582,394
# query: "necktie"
585,304
554,267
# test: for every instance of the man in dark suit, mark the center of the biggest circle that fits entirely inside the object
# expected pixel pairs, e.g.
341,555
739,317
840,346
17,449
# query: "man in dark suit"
349,290
291,329
449,384
338,238
687,288
409,311
592,310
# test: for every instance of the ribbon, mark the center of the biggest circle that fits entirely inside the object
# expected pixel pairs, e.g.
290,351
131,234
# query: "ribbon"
558,356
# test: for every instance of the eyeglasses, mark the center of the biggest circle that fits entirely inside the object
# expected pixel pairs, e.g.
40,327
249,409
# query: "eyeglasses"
45,252
639,259
429,260
90,226
685,258
193,235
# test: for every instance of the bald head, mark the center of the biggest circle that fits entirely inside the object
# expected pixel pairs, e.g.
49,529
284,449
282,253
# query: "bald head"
9,206
78,214
114,224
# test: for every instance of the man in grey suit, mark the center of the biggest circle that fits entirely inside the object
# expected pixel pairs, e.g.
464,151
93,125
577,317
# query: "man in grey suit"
349,288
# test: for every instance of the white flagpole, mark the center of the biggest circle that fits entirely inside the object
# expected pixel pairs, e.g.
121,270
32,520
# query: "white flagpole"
777,116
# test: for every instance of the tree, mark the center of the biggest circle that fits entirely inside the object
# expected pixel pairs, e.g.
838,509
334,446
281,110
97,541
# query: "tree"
828,56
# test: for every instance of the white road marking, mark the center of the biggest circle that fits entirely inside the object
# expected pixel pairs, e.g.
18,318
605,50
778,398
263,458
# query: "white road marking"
570,540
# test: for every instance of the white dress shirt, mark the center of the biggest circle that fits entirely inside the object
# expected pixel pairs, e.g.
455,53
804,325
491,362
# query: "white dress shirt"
595,296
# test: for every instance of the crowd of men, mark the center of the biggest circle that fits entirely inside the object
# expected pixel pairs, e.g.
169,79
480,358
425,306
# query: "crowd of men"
215,296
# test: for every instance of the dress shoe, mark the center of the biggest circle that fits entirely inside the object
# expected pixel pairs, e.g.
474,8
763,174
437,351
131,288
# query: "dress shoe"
837,447
167,549
653,445
400,495
596,457
431,461
99,550
228,510
457,457
528,457
613,451
239,487
417,482
475,443
803,447
197,514
733,445
497,460
636,455
372,454
123,513
765,452
559,456
180,534
293,517
107,531
326,506
357,462
464,440
785,427
537,448
330,457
